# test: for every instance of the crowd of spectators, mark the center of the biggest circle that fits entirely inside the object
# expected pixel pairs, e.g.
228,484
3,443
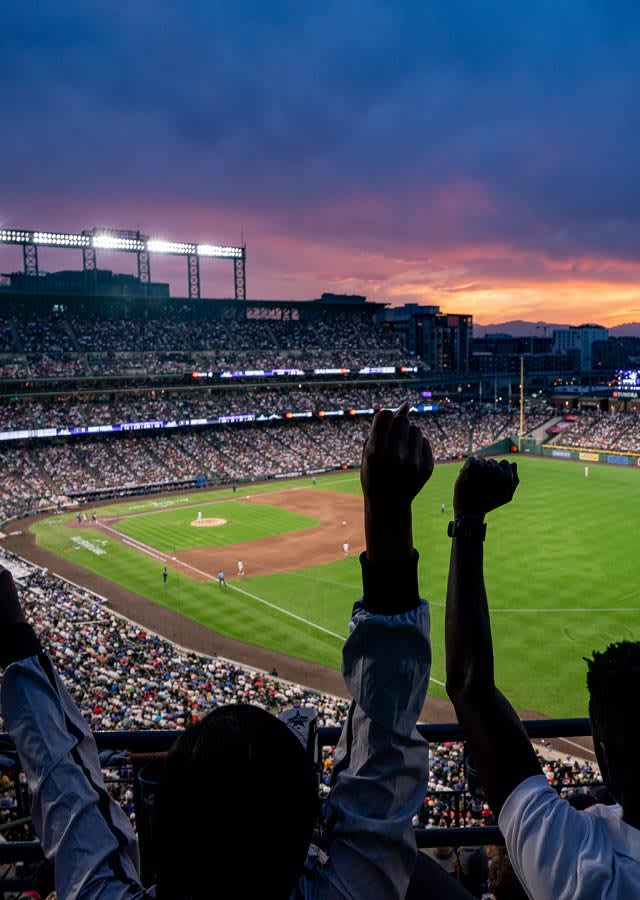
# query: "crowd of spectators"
40,474
69,348
164,334
63,410
462,429
597,430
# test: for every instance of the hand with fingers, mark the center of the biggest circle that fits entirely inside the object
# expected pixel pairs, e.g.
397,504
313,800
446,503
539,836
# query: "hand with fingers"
396,461
483,485
396,464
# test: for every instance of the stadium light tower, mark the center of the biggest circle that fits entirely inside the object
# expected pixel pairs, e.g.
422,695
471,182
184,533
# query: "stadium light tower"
124,241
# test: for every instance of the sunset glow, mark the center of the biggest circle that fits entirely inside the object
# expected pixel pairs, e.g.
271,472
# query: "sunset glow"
481,159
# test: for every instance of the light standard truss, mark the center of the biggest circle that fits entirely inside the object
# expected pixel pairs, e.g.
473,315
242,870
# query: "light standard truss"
128,242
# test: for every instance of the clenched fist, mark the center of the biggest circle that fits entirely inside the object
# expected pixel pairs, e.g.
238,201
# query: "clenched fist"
396,461
483,485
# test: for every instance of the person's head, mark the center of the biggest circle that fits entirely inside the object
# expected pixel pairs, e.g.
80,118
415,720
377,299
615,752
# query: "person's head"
613,677
236,805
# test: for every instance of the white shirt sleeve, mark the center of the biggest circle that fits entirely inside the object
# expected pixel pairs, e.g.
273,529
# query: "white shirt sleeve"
381,761
557,852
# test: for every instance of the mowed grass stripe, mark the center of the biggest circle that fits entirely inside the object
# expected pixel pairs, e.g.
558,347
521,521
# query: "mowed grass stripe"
225,611
565,543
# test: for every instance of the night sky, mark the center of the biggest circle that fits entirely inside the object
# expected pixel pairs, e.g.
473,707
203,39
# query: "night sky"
482,156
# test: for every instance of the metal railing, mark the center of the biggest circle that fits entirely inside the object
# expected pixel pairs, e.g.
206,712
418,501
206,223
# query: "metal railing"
140,747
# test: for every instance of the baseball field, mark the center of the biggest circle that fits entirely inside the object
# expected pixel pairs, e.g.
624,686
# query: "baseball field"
562,567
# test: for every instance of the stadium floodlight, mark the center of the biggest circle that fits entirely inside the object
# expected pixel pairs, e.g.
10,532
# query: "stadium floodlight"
127,241
13,236
177,247
112,242
220,251
60,239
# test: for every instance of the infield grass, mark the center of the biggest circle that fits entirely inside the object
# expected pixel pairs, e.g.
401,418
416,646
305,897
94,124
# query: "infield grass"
173,529
562,574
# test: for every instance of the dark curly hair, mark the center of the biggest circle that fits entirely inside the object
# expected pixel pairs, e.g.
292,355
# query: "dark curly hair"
613,676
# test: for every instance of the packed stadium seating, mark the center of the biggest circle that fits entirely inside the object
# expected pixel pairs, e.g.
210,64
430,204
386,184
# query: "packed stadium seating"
38,473
602,431
50,347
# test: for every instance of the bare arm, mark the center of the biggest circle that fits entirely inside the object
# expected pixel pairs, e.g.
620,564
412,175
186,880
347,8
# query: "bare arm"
500,747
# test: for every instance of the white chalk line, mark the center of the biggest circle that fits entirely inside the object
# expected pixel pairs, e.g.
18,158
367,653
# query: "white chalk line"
164,557
138,545
575,744
142,549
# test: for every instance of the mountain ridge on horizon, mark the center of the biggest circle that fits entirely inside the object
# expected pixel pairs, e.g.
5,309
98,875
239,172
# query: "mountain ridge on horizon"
524,328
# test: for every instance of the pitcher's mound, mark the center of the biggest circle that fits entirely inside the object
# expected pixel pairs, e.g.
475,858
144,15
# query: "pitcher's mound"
208,523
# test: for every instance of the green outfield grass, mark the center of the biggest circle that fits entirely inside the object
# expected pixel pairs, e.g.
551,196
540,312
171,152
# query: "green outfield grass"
562,574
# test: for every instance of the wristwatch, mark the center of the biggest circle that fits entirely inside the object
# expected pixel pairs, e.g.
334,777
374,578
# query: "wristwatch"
467,527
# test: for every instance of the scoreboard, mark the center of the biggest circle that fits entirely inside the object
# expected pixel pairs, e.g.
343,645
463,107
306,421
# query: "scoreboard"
627,383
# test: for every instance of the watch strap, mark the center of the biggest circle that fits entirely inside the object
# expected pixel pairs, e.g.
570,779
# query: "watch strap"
467,527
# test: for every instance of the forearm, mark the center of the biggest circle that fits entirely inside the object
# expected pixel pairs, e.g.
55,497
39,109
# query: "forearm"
388,531
500,747
389,563
469,649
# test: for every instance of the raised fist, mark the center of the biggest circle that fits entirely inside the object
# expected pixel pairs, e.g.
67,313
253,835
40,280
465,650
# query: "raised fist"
396,460
483,485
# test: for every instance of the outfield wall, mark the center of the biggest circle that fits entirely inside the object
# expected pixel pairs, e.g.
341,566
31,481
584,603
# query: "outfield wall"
498,449
587,455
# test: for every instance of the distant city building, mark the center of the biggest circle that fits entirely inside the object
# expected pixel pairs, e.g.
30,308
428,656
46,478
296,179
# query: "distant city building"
616,353
441,340
502,353
452,342
581,338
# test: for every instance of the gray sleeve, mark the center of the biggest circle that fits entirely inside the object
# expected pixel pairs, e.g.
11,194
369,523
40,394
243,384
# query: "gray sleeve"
79,825
381,761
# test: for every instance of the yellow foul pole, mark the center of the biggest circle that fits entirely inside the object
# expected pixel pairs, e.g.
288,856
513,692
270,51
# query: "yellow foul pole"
521,435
